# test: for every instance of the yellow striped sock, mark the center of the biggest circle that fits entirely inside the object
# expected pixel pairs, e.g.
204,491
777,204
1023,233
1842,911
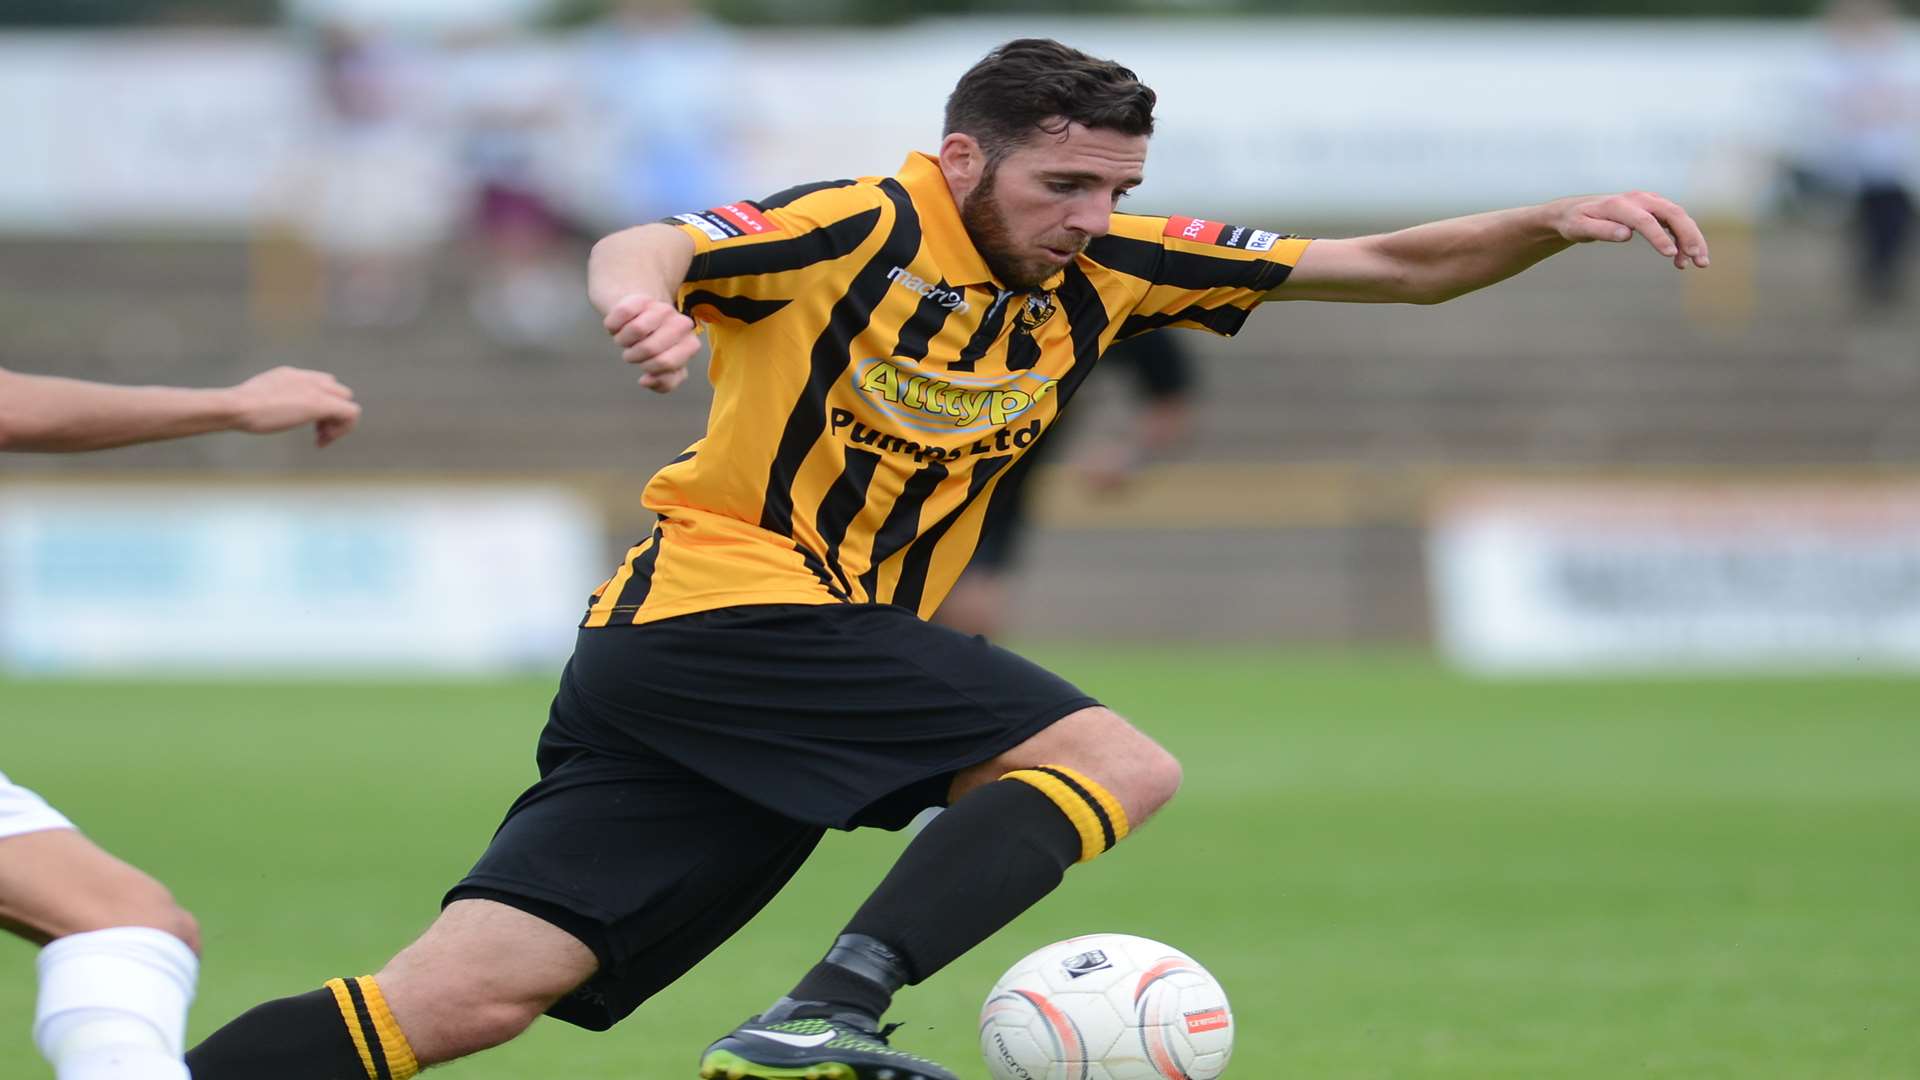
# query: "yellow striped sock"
1098,817
383,1048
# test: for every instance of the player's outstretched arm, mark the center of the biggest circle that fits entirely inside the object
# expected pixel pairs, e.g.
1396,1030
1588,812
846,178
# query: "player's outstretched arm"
47,413
1431,263
633,277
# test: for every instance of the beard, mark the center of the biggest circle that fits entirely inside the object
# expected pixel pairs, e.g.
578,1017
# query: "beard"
987,227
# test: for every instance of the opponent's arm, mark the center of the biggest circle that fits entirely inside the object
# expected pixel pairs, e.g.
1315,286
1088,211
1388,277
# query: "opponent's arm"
633,277
47,413
1431,263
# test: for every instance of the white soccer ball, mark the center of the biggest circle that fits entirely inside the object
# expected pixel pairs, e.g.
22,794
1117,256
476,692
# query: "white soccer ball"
1106,1007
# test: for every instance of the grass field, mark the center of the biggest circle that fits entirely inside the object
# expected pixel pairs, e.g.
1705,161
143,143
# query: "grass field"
1395,872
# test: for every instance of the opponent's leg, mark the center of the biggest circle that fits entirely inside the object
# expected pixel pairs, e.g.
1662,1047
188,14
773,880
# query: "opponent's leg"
478,977
1016,823
119,972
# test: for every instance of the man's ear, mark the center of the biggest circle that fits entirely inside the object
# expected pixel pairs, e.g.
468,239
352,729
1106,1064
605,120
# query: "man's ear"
963,162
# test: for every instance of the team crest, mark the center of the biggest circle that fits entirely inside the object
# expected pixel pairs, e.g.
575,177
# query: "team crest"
1035,312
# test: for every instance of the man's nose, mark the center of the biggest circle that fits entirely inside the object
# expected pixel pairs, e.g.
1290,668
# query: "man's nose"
1092,215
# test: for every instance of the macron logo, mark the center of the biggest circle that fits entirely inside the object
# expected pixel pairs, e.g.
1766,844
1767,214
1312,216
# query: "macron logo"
937,291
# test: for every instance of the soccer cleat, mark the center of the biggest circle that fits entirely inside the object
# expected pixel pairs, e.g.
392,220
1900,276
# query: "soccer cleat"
812,1049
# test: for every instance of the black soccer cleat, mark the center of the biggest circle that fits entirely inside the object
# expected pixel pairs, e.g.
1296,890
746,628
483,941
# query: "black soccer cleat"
813,1049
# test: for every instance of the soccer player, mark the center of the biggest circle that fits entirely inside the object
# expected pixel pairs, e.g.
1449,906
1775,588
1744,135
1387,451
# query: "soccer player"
758,670
121,957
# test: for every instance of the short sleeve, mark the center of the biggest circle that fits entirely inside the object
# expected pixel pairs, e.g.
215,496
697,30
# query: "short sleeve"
1193,272
750,257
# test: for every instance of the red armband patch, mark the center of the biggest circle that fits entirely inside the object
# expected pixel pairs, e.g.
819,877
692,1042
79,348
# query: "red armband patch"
1202,231
729,221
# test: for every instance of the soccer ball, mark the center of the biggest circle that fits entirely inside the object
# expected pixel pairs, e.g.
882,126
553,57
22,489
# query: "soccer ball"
1106,1007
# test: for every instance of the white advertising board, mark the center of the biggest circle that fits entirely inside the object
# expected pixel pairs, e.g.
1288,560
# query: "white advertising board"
1611,578
1301,118
186,580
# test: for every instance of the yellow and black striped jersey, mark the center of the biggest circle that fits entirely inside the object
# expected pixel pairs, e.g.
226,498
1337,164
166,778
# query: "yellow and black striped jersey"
873,382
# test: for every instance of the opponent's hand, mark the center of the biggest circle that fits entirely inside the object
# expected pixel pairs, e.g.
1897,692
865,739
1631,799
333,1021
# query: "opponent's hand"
1616,218
654,337
287,397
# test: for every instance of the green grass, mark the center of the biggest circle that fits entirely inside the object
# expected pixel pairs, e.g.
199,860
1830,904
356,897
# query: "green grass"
1396,872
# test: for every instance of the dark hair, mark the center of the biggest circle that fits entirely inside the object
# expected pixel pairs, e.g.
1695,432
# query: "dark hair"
1024,86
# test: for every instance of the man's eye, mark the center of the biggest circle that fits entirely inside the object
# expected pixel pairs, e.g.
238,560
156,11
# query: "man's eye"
1062,187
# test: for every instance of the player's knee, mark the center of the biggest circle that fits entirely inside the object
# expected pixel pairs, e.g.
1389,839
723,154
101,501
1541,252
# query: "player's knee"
1155,785
181,924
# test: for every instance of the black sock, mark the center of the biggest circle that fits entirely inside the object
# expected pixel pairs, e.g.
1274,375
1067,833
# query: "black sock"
309,1037
830,988
992,855
296,1038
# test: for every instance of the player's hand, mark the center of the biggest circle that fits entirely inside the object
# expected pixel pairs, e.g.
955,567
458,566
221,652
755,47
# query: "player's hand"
1616,218
287,397
654,337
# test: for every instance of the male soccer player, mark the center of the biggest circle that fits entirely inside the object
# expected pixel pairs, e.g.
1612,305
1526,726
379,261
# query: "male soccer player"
120,962
758,671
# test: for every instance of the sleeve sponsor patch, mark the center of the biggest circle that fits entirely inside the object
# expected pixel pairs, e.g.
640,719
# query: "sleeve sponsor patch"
729,221
1202,231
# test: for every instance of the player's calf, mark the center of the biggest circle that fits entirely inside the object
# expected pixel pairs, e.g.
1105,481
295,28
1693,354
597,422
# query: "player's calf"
477,978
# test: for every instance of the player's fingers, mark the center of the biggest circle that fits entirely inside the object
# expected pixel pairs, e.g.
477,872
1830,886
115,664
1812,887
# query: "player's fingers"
670,333
1687,234
664,382
623,311
327,431
1642,221
1593,227
642,324
674,331
669,370
673,356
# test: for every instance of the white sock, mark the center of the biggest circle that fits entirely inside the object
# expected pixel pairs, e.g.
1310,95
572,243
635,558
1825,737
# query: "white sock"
113,1004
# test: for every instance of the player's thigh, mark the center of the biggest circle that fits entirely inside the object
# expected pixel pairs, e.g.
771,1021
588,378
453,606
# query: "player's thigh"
1096,742
633,857
55,882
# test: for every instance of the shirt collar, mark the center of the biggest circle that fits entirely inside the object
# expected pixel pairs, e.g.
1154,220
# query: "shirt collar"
941,229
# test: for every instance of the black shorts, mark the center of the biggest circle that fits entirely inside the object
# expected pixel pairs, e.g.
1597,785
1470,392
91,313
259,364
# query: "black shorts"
689,766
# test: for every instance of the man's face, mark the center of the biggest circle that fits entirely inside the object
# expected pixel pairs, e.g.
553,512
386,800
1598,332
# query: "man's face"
1033,211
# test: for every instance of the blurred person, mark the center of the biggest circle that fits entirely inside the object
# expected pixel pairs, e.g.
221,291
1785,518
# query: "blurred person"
1163,381
506,100
758,670
120,956
373,198
1869,99
669,149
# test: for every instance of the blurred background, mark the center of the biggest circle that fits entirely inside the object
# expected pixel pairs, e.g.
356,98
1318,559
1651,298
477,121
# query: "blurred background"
402,194
1677,515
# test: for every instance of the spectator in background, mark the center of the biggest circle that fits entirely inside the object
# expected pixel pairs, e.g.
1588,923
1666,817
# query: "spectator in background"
507,101
651,66
1163,377
375,201
1869,99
